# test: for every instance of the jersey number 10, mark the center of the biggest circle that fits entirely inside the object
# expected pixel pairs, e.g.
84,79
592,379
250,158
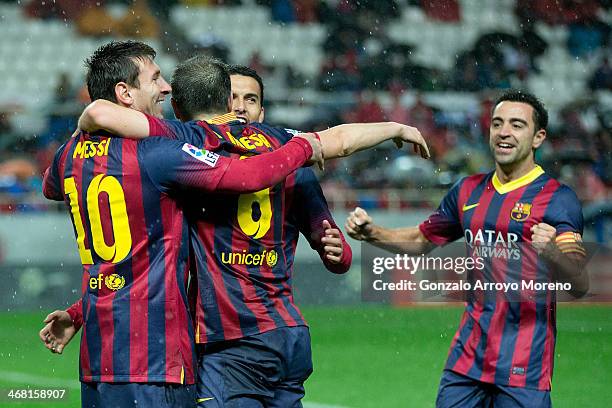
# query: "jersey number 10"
122,238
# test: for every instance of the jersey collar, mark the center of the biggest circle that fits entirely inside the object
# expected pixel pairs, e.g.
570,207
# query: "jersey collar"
536,172
222,119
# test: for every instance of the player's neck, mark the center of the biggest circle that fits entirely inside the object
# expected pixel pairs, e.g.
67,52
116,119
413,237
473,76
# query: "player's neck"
506,174
208,115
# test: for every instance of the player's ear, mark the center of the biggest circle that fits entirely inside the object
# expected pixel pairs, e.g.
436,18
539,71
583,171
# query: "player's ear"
260,119
122,94
538,138
230,103
177,111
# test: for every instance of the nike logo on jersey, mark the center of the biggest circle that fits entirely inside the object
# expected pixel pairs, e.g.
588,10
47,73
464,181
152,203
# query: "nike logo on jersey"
469,207
203,399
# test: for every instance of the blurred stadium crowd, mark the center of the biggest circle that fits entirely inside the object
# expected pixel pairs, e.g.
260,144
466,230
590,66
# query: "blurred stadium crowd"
436,65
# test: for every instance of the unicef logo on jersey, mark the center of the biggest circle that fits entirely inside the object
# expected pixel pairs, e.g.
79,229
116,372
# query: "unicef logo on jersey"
243,257
114,282
271,258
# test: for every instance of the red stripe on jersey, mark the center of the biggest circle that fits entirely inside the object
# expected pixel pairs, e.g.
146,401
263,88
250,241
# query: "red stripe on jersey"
104,303
499,270
139,290
527,323
85,366
174,308
213,142
466,360
229,316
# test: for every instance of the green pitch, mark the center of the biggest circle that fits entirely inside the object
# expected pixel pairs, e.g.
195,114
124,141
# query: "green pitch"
363,356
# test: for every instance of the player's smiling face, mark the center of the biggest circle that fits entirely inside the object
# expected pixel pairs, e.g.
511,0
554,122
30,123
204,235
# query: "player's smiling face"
512,136
246,98
152,90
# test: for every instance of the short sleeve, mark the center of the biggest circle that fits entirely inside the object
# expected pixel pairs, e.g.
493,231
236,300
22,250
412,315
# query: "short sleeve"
565,214
444,225
565,211
51,180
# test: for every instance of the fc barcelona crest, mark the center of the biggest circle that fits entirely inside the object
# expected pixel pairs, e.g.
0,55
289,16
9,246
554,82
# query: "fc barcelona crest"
520,212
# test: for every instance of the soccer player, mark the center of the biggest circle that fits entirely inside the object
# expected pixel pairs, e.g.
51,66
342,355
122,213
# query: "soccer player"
247,93
502,354
247,104
132,235
280,380
256,343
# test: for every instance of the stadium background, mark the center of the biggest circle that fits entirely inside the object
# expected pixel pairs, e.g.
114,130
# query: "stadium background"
436,65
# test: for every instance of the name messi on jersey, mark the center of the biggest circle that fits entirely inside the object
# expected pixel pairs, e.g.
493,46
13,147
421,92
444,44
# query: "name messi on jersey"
250,142
87,149
493,244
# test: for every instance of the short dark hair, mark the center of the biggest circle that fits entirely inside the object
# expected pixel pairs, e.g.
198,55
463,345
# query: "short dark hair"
249,72
201,84
113,63
540,115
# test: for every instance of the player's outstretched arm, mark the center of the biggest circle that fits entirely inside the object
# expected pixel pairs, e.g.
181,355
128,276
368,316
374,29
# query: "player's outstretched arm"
59,329
344,140
265,170
119,120
359,225
185,167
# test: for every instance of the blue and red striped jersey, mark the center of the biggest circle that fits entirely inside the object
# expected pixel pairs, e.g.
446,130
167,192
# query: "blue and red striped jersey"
506,342
133,241
244,245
